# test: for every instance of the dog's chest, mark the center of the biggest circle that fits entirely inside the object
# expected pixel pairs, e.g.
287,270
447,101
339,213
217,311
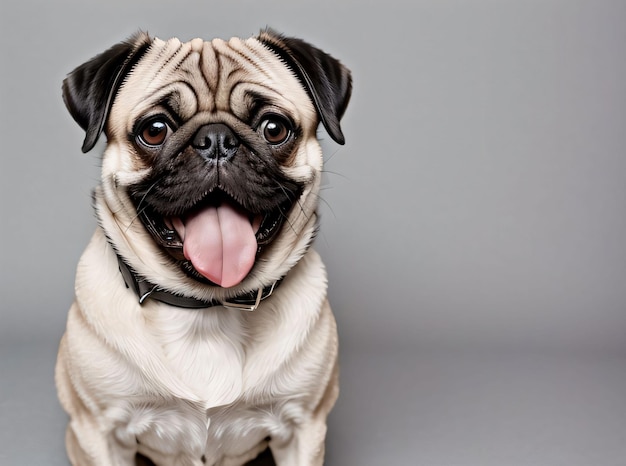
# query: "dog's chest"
205,350
212,353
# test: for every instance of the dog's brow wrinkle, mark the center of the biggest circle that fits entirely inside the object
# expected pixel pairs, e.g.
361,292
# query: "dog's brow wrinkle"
246,52
173,62
178,66
209,67
171,104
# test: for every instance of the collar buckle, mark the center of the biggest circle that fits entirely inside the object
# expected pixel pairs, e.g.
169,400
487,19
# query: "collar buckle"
247,306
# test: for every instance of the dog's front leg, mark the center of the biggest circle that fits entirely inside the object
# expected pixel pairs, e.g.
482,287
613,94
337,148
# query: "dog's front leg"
88,442
304,448
86,446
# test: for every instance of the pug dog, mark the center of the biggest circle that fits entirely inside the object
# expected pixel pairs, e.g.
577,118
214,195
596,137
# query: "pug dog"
201,332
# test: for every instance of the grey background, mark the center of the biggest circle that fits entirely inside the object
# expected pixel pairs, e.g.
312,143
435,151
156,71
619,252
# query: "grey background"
474,225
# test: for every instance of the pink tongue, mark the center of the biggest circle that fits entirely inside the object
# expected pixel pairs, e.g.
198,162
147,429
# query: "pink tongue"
220,243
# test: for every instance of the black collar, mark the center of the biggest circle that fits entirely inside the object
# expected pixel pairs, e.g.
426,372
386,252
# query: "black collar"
146,290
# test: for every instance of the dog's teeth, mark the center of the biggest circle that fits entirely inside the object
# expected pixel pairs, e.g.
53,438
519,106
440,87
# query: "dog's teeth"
178,226
256,223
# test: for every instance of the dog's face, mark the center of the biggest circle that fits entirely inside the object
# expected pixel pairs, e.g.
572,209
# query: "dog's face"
211,173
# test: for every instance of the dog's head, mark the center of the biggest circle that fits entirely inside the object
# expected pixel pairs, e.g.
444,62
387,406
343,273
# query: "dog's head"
211,172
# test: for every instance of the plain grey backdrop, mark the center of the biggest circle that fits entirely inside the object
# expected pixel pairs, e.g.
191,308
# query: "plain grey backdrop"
474,225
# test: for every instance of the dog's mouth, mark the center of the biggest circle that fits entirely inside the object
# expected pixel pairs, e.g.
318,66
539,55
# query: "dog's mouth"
217,239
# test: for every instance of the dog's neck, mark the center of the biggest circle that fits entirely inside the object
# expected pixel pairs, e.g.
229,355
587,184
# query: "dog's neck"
145,290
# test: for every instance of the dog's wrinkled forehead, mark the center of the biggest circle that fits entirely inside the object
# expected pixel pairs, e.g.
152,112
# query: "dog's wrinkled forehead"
211,77
198,77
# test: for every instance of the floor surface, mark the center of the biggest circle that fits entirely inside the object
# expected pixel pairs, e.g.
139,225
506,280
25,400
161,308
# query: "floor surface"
397,407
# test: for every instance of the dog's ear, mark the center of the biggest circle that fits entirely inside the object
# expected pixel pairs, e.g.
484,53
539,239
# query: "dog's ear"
89,90
326,80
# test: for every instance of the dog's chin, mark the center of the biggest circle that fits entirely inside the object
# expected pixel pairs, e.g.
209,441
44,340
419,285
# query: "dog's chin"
178,235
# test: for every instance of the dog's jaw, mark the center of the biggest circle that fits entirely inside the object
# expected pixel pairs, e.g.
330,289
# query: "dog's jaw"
216,241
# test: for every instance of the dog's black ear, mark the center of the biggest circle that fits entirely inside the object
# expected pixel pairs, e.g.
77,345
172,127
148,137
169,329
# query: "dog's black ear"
89,90
326,80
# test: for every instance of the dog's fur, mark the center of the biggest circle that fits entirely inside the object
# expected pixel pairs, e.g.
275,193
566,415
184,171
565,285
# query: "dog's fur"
212,386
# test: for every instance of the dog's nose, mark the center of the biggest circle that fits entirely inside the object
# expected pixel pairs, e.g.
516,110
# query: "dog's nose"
215,141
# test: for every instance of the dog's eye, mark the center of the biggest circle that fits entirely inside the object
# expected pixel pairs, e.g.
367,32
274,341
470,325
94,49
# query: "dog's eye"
275,130
154,133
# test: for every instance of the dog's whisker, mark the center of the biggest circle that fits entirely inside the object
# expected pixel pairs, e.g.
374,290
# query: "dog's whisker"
150,188
290,197
325,202
135,217
140,207
286,217
330,172
332,155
